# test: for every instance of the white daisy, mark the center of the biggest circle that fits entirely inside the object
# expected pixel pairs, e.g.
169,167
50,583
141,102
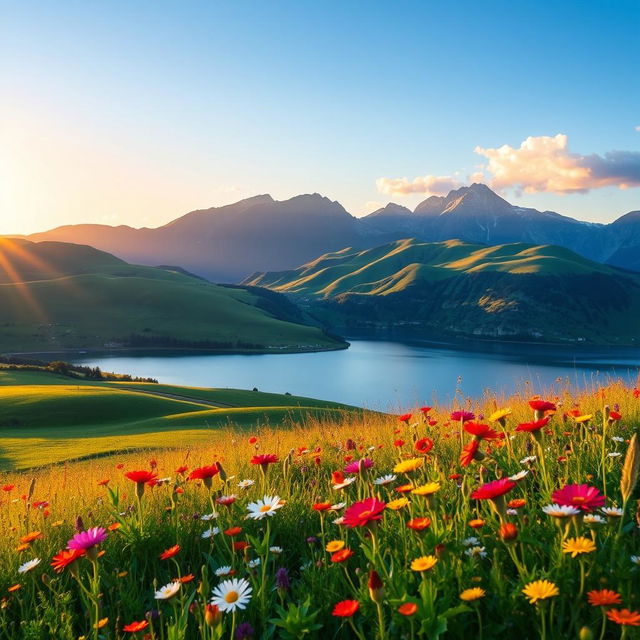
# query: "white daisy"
163,481
345,483
224,571
214,531
252,564
168,591
593,518
28,566
612,512
337,506
614,454
382,480
617,439
528,459
560,511
245,484
275,550
339,520
265,507
521,475
471,542
635,560
233,594
476,552
512,512
209,516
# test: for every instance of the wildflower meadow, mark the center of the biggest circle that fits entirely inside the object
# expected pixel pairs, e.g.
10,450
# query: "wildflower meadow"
514,519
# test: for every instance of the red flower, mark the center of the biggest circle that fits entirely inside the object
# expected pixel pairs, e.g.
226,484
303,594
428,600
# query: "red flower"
141,477
581,496
424,445
337,477
408,608
240,545
398,443
253,440
469,452
405,417
8,487
65,558
226,501
361,513
624,617
103,483
265,459
181,469
531,427
493,489
321,506
134,627
541,405
508,531
233,531
170,552
463,416
481,431
204,473
425,409
615,415
346,608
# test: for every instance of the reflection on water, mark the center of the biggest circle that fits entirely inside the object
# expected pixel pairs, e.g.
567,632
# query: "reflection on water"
388,375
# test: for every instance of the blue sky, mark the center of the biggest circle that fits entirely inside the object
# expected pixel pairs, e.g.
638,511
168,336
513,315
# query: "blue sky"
136,113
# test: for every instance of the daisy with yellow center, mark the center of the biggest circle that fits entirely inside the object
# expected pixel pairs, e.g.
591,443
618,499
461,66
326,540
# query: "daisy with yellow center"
407,466
424,563
395,505
578,546
335,545
233,594
265,507
427,489
540,590
469,595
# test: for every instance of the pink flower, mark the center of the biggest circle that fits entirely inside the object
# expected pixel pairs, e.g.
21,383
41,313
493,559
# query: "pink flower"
87,539
361,513
463,416
581,496
493,489
357,465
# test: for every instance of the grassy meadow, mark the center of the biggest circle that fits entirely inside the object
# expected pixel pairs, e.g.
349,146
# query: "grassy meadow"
48,418
518,521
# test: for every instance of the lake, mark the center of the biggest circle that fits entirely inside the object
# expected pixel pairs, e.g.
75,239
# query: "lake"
389,375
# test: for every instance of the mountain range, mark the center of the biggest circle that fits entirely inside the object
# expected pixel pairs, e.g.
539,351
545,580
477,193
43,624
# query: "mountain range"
515,290
228,243
56,296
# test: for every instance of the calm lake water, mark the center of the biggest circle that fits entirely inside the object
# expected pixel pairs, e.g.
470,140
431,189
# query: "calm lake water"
389,375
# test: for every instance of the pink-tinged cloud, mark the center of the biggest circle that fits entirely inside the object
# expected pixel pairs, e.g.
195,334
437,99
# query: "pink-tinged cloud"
544,163
428,185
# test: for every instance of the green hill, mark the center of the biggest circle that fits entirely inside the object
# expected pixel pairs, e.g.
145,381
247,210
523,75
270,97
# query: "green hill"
47,418
513,290
57,296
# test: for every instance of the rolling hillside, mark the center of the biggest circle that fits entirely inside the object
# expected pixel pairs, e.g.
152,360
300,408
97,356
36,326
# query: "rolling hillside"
56,296
513,290
47,418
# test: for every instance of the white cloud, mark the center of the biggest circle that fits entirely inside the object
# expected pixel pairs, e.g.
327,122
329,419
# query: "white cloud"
544,163
428,185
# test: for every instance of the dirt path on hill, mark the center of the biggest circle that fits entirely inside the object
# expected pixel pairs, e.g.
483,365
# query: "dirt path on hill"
174,396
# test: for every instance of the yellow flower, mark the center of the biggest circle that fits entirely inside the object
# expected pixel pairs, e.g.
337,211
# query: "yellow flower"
584,418
57,523
499,414
540,590
577,546
335,545
469,595
427,489
424,563
397,504
407,466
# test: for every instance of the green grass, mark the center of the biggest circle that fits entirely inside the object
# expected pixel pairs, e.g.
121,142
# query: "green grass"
47,418
94,303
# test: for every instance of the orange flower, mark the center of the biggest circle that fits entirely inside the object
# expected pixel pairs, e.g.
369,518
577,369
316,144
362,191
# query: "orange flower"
114,527
477,523
188,578
516,503
408,608
134,627
30,537
508,531
15,587
603,598
170,552
624,617
419,524
346,608
342,555
65,558
321,506
404,488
